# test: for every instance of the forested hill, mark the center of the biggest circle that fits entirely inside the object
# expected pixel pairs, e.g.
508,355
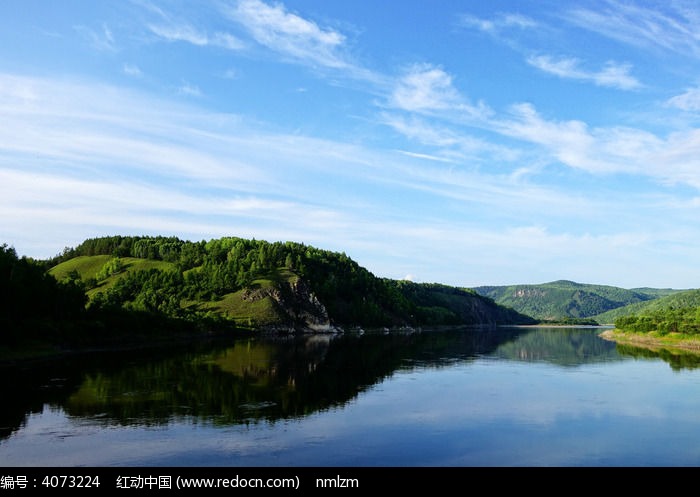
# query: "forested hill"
678,312
564,299
255,283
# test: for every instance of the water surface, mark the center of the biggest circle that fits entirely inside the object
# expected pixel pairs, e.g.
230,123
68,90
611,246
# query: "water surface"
461,397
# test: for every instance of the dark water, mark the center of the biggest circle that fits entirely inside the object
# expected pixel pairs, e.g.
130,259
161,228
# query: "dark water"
493,397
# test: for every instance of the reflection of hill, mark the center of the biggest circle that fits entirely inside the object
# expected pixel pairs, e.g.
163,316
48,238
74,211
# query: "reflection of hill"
254,380
560,346
241,382
251,380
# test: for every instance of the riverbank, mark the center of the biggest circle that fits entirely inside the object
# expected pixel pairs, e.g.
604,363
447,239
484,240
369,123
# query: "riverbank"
654,341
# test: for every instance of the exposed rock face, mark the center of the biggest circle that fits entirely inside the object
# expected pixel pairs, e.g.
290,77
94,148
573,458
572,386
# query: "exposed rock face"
299,308
303,307
529,292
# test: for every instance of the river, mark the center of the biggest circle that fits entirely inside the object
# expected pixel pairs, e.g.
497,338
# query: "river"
516,397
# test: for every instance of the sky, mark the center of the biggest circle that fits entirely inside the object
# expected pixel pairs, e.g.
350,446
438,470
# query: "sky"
464,142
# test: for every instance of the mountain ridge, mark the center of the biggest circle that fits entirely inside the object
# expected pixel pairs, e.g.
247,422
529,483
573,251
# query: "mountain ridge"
566,299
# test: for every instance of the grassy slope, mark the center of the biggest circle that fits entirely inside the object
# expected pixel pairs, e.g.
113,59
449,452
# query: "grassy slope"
232,306
678,299
88,266
256,311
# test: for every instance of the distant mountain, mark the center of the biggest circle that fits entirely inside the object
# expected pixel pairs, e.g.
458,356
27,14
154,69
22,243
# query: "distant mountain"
563,299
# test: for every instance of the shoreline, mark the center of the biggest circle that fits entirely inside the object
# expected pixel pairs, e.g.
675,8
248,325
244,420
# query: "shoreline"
651,341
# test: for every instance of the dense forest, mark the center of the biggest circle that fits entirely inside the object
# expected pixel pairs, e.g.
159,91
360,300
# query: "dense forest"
201,272
30,298
40,314
677,313
568,300
145,284
639,310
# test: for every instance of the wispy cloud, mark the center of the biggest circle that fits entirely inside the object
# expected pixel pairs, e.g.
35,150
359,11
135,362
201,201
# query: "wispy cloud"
670,160
425,88
189,34
498,24
181,27
132,70
612,75
101,39
290,34
571,142
687,101
428,89
227,41
451,144
190,90
503,27
180,33
639,24
102,126
105,142
230,74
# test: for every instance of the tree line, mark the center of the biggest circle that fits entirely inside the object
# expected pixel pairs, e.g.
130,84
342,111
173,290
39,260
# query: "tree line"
37,310
684,320
169,295
208,270
32,301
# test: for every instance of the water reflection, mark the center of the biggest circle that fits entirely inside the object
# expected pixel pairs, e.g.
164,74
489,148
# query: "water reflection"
256,380
677,359
559,345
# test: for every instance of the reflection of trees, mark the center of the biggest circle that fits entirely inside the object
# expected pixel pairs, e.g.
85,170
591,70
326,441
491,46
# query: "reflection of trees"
27,388
677,359
261,379
249,381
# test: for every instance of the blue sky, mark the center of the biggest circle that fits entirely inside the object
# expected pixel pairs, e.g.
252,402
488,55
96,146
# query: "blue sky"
460,142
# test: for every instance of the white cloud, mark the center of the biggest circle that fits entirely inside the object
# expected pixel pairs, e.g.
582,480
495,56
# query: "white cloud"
640,24
612,75
189,34
687,101
425,88
228,41
184,33
569,142
102,126
102,40
454,145
276,28
677,160
504,21
425,156
230,74
670,160
190,90
132,70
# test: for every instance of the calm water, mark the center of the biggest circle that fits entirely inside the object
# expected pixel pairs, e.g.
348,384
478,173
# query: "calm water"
506,397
